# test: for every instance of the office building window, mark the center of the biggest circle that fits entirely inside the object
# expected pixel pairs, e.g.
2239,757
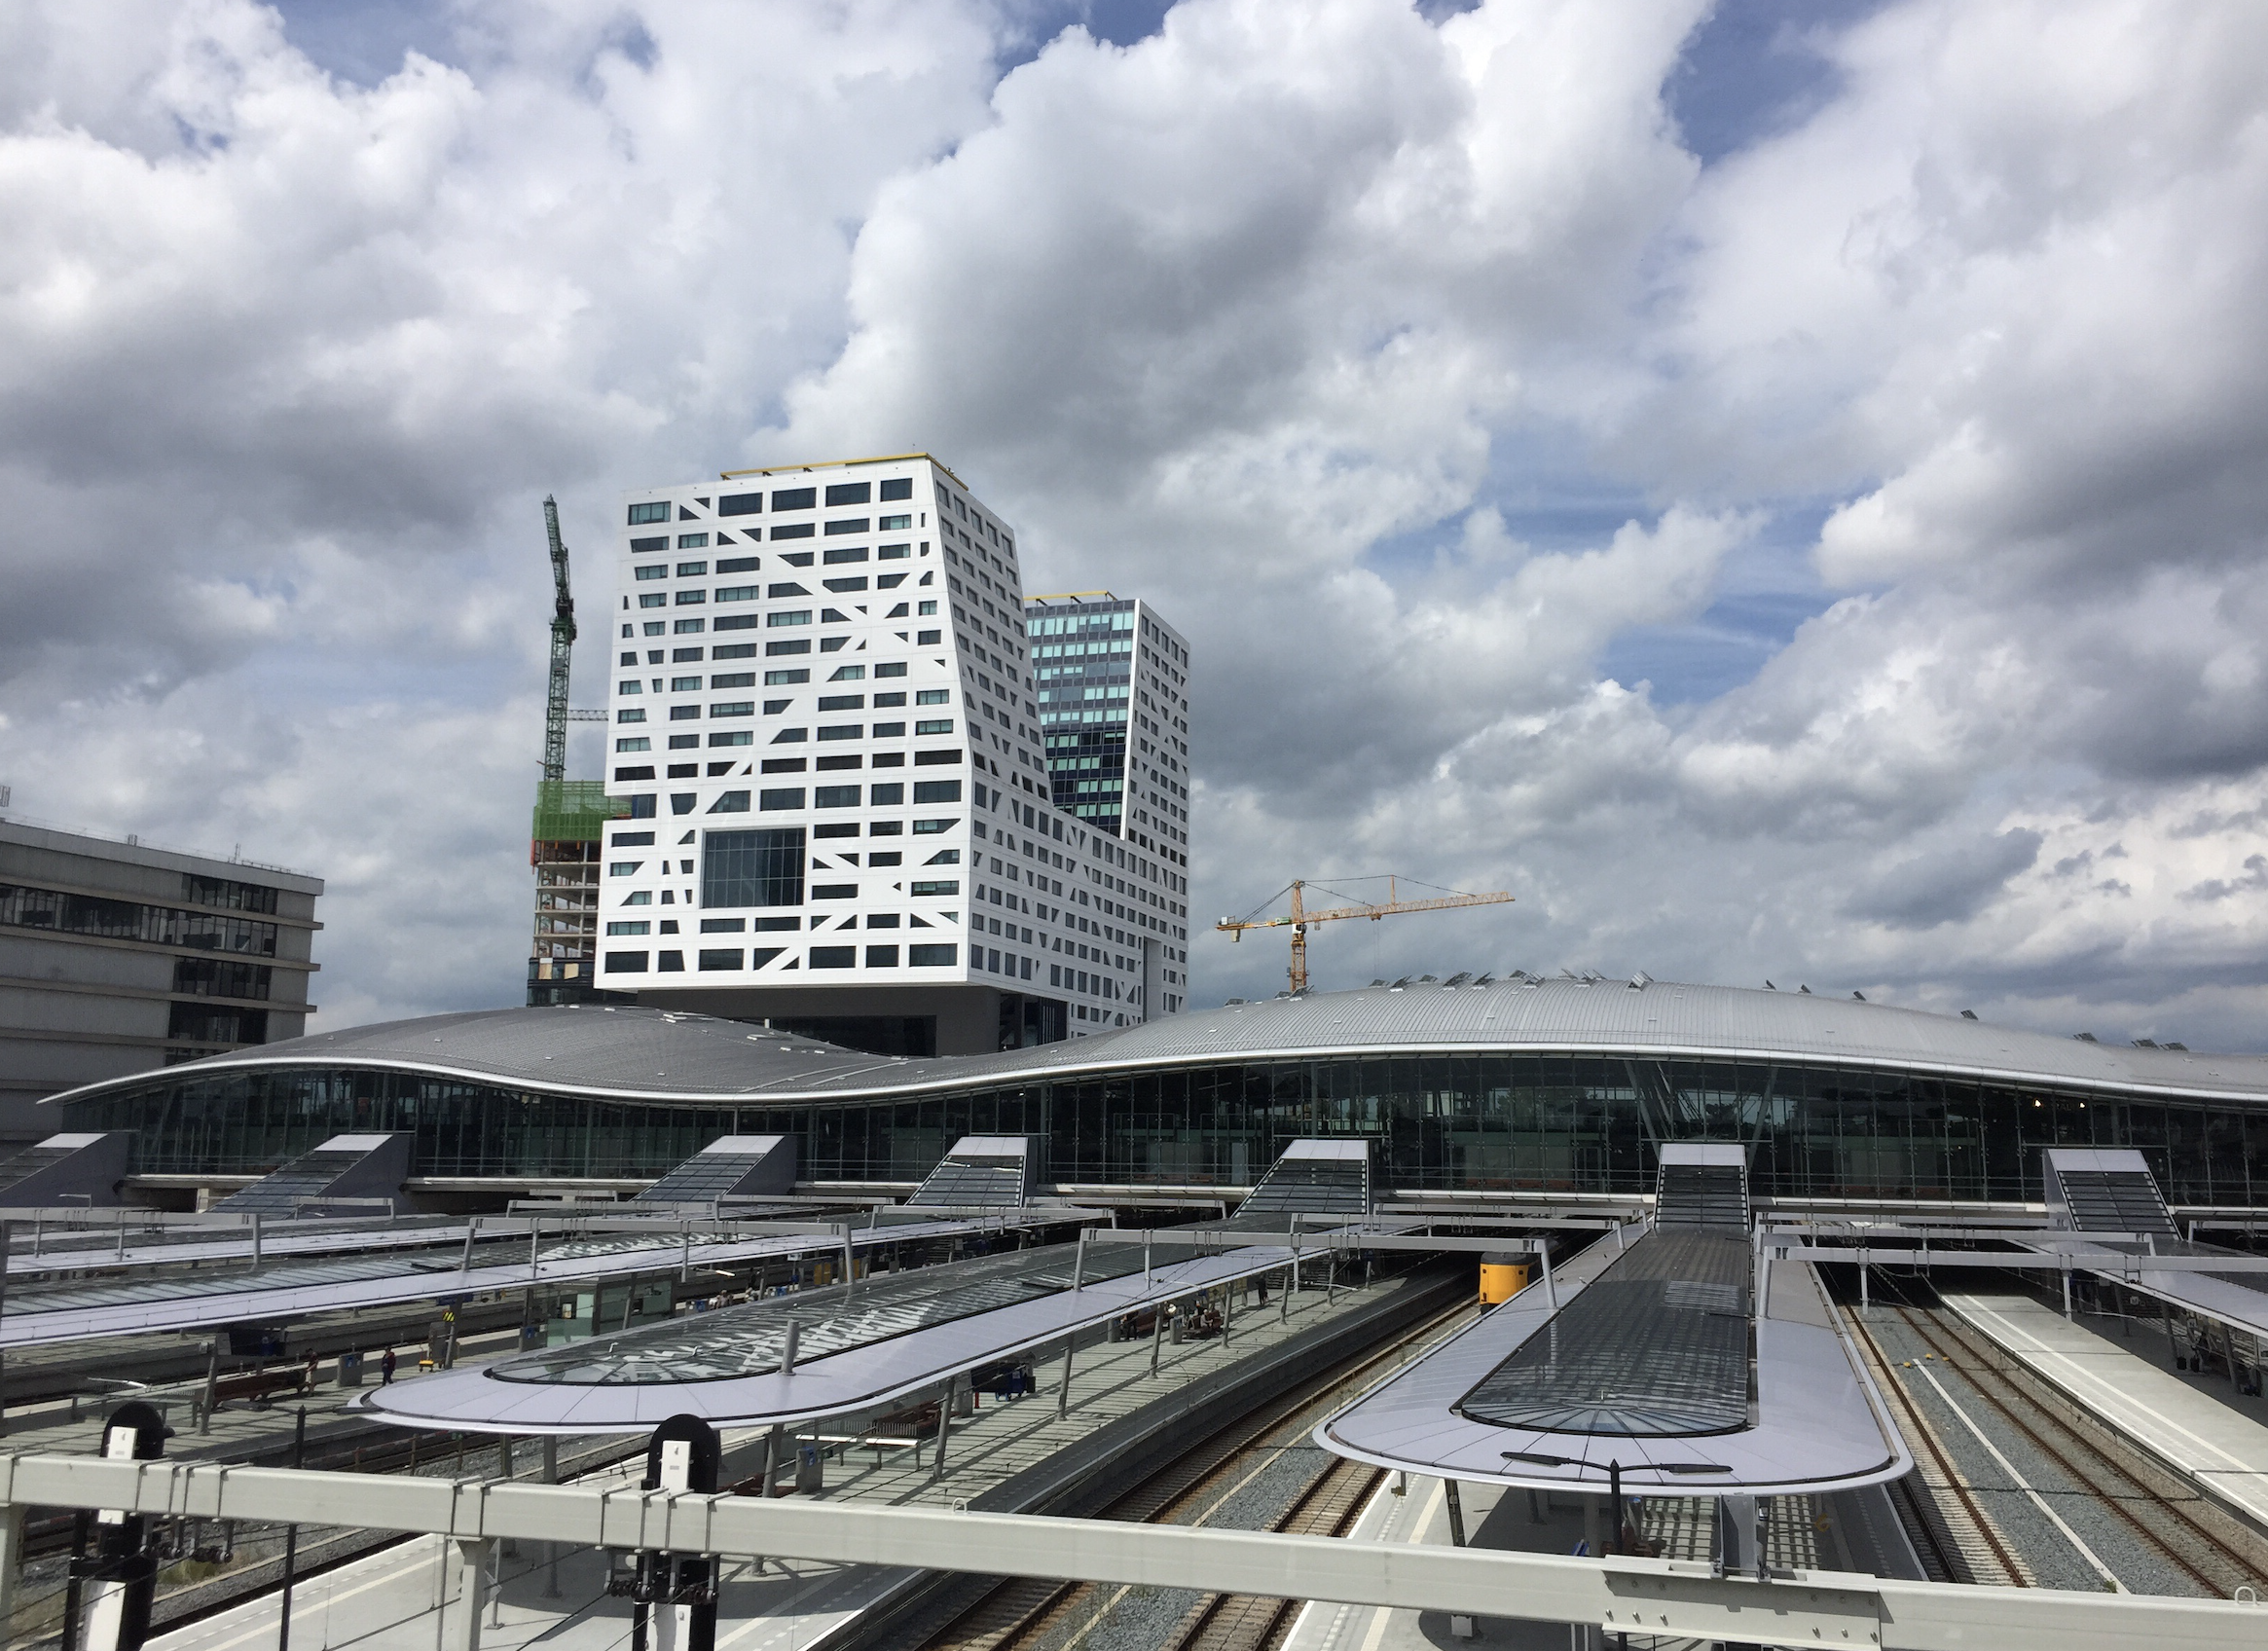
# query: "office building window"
641,514
753,868
932,956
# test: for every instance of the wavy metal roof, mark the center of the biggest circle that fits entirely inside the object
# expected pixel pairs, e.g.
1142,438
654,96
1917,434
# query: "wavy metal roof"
665,1055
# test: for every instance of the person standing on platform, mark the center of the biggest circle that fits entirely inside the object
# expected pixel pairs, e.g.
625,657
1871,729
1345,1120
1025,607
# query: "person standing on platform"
385,1369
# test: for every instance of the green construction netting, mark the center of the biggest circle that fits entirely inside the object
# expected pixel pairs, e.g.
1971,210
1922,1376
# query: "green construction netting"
573,811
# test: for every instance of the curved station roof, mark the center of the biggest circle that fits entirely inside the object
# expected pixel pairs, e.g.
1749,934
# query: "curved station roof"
660,1055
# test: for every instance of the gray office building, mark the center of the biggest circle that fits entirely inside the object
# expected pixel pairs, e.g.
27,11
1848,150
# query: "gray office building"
117,958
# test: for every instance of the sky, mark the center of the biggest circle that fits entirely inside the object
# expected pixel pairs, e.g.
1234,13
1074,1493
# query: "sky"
1777,488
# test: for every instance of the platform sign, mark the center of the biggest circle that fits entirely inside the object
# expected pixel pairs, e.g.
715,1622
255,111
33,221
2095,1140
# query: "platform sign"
684,1453
121,1579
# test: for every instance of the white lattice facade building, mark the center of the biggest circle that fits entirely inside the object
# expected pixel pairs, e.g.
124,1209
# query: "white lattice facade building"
839,815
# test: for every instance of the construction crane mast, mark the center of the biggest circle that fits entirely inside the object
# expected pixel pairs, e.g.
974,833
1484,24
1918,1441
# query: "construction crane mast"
562,647
1301,917
570,818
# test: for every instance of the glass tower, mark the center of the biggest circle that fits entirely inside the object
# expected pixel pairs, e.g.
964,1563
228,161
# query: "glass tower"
1112,685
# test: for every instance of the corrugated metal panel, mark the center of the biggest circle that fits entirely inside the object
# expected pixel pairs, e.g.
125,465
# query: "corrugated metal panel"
665,1055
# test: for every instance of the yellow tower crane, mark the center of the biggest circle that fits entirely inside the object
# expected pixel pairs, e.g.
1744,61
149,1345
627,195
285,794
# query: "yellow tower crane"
1301,917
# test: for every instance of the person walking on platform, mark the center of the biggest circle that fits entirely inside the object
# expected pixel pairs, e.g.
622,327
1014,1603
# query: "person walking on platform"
385,1369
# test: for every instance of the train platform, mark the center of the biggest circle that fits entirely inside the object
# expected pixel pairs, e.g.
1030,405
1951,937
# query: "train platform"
1852,1530
2177,1418
1007,1456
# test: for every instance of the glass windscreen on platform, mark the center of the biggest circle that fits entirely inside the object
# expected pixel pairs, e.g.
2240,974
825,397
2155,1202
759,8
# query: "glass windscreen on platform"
1483,1123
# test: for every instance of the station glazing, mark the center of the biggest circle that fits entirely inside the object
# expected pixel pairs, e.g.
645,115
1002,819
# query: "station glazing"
1477,1121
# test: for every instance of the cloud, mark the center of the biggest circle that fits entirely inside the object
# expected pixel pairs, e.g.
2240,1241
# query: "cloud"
1946,883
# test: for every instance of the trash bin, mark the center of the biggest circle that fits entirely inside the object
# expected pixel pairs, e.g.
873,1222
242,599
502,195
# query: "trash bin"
810,1475
350,1370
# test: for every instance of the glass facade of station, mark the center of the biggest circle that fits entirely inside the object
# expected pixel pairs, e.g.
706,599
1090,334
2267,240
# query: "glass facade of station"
1446,1122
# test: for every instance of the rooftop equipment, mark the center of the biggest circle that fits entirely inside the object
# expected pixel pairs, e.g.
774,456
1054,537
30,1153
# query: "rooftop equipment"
85,1169
1301,917
992,1172
731,1167
358,1167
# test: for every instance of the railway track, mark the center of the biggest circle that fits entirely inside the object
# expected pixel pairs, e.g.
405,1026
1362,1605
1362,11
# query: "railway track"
2156,1506
1954,1530
1024,1614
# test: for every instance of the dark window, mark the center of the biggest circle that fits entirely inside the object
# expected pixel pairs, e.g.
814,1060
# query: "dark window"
834,957
724,924
881,957
784,796
834,891
720,957
214,978
886,796
882,700
631,840
730,802
888,582
899,487
840,702
836,796
850,493
836,828
737,623
733,651
743,869
671,962
683,770
678,657
928,638
202,1023
660,541
626,963
626,774
936,791
935,758
785,678
734,737
794,498
847,587
835,765
642,806
931,957
641,514
848,524
836,555
890,730
733,680
783,765
739,563
796,531
793,645
683,742
775,925
682,802
890,668
787,589
222,892
740,504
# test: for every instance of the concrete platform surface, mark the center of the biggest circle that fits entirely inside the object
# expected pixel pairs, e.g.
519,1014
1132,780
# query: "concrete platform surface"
2222,1450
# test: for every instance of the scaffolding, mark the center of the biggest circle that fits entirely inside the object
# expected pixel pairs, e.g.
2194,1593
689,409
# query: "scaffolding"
563,847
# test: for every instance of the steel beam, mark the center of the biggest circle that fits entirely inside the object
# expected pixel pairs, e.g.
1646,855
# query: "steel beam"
1673,1597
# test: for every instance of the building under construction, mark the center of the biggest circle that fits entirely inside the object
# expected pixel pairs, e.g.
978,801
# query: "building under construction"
570,820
